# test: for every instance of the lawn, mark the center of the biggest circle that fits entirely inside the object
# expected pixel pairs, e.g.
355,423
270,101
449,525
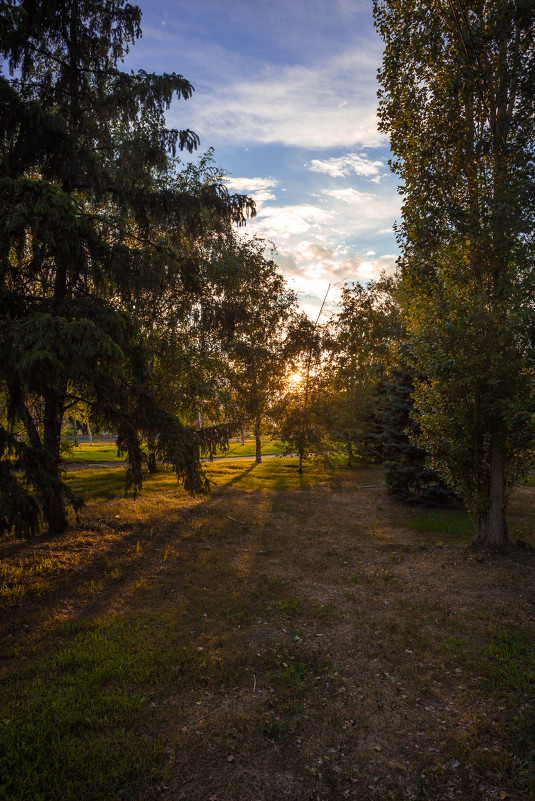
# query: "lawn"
299,637
107,451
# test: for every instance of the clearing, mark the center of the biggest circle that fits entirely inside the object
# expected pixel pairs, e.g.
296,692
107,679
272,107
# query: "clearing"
287,637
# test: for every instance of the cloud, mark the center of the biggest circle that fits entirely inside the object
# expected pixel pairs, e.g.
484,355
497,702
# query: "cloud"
351,196
346,165
250,184
312,267
357,212
329,104
259,189
285,221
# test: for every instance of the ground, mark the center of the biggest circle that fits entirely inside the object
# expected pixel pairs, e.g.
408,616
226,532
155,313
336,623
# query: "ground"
286,637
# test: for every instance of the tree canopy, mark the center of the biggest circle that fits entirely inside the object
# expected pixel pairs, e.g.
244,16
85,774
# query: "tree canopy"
96,225
457,99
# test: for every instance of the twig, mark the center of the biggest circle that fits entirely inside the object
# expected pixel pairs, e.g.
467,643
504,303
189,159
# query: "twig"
245,525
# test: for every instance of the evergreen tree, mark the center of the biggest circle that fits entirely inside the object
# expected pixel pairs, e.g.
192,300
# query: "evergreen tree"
407,476
94,227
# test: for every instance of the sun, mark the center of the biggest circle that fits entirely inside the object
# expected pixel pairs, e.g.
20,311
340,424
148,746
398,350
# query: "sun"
294,379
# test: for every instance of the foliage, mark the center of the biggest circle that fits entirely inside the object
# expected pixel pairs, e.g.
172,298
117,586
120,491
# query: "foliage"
95,228
364,338
457,94
407,476
265,341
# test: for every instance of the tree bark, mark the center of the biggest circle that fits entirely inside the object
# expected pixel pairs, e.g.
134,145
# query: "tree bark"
491,523
257,440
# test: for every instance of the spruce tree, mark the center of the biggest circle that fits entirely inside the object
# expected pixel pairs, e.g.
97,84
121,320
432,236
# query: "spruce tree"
408,478
94,226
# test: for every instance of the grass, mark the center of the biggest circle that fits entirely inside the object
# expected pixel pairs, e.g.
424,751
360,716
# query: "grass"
107,451
299,637
98,452
441,525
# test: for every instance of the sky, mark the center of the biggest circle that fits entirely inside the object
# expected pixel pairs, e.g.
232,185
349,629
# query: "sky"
286,94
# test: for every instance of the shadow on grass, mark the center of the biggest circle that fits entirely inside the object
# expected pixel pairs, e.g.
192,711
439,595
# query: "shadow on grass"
450,526
106,483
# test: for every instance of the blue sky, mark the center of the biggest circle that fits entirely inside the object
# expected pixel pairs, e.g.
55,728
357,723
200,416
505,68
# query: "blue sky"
285,92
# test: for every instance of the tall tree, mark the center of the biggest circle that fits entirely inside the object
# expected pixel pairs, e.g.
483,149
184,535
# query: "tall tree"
457,98
93,223
262,342
365,335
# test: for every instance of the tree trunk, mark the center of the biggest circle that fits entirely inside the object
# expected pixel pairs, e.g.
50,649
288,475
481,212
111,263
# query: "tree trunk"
53,501
491,524
151,458
257,440
350,454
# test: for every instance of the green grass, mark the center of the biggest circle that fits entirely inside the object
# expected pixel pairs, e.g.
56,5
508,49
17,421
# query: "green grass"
99,452
73,715
449,526
107,483
273,474
249,448
202,654
107,451
281,475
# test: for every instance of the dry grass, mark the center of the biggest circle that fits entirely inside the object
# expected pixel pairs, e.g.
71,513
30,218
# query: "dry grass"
284,638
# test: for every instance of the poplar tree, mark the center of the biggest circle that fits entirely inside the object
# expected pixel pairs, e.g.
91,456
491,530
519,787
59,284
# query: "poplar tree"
457,99
94,226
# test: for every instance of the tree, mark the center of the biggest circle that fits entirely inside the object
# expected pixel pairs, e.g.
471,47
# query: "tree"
365,335
303,415
263,341
94,227
458,81
407,475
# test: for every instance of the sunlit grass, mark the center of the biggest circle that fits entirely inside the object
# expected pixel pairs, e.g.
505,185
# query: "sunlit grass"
107,451
273,474
99,452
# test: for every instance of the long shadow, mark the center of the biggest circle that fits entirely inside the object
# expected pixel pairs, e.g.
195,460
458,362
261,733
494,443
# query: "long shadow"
180,529
244,473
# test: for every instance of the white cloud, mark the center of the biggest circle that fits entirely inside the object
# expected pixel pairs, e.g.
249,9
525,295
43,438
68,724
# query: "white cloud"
331,104
351,196
311,267
346,165
250,184
357,212
285,221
